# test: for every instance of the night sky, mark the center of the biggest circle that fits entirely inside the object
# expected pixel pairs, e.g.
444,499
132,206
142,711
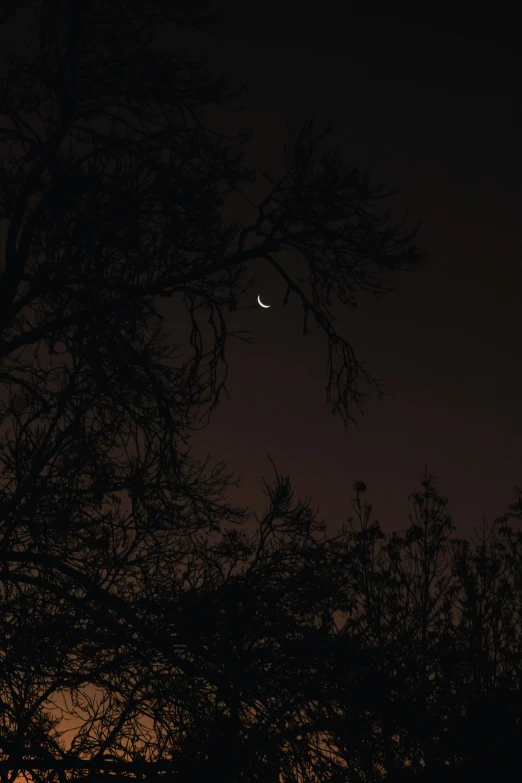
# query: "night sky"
433,107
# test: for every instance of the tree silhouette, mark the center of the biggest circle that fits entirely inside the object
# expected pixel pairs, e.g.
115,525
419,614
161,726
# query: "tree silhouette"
439,619
113,197
131,601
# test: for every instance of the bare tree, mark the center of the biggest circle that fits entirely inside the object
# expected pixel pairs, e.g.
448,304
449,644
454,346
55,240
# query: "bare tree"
435,620
112,195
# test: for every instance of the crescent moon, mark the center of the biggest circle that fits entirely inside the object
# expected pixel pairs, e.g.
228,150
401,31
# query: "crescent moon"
261,303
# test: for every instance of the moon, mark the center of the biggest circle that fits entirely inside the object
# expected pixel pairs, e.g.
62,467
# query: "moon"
261,303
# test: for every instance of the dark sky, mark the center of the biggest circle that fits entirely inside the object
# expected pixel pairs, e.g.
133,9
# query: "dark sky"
434,106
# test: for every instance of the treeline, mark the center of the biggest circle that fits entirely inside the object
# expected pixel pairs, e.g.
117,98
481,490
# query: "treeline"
286,654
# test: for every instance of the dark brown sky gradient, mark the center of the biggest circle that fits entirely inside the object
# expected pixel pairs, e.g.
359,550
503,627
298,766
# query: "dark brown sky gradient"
439,113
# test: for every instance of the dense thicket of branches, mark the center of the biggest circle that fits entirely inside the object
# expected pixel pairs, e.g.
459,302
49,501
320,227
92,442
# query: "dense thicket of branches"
142,629
290,656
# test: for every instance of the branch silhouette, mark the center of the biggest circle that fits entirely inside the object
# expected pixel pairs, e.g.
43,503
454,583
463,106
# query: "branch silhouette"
144,632
101,225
